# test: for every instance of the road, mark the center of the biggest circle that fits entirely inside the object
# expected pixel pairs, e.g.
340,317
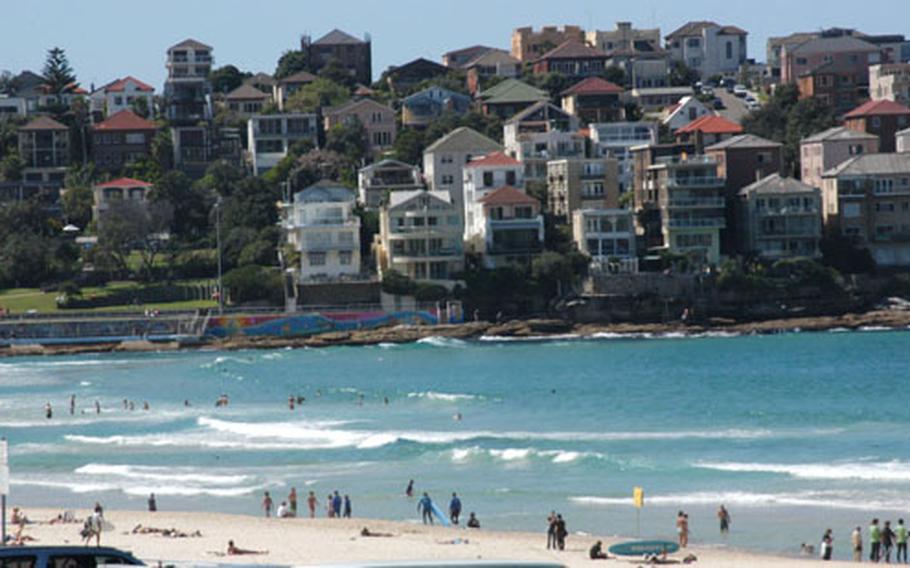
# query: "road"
736,107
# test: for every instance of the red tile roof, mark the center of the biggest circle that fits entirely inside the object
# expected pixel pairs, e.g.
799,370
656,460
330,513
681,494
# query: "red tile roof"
120,84
593,86
508,195
877,108
126,120
44,123
493,159
573,49
710,124
124,182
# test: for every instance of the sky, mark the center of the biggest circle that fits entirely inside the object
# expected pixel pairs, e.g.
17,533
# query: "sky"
108,39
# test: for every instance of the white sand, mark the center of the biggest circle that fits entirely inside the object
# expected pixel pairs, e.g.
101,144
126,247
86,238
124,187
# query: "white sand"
331,541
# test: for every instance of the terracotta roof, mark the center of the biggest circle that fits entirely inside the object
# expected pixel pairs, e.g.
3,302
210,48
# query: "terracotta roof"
190,44
246,92
508,195
493,159
124,182
878,108
593,86
126,120
44,123
573,49
710,124
120,84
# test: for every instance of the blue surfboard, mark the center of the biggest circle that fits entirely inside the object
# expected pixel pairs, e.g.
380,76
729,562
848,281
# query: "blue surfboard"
442,518
644,547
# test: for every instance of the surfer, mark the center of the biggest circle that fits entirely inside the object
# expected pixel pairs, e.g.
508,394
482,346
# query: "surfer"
454,509
597,551
723,515
425,507
409,491
48,410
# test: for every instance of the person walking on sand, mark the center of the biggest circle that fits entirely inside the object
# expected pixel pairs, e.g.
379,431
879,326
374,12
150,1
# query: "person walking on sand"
875,541
900,535
311,504
723,515
292,500
827,546
425,507
551,530
454,509
887,542
347,507
856,541
267,504
561,532
97,523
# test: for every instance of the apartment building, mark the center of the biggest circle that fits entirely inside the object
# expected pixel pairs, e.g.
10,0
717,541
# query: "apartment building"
846,51
270,137
44,147
444,160
890,82
506,226
608,237
353,54
707,130
616,139
625,38
825,150
582,183
528,44
541,133
708,48
879,118
187,90
778,218
378,121
377,182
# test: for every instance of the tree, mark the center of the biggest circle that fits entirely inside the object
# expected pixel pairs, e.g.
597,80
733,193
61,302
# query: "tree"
291,62
227,78
349,140
682,76
77,206
557,273
191,205
409,145
321,93
140,106
11,167
32,250
58,75
254,284
615,75
316,165
334,71
130,226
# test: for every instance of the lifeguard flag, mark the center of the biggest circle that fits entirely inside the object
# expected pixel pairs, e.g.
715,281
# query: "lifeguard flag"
638,497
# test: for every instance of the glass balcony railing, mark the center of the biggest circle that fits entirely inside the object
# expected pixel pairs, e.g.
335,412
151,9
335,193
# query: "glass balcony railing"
698,222
695,181
693,202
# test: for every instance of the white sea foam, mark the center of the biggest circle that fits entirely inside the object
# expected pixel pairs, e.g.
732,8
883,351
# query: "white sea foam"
163,474
534,338
744,499
442,396
144,490
437,341
875,328
893,471
461,455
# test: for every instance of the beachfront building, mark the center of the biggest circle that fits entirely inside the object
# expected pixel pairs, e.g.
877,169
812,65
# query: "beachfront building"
821,152
890,82
113,194
122,139
420,236
779,218
616,139
270,137
378,121
867,199
690,198
608,237
321,226
44,146
581,183
122,94
378,181
541,133
708,48
444,160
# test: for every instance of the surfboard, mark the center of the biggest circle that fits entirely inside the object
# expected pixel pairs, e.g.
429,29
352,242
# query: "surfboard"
442,518
644,547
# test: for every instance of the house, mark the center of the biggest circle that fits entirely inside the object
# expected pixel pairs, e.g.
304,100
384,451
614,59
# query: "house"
493,63
353,54
287,86
867,199
378,121
111,194
270,137
123,138
775,47
407,76
707,131
573,59
12,106
420,236
262,81
594,100
708,48
890,82
778,218
643,69
458,58
581,183
193,148
44,147
655,99
625,38
643,191
321,225
378,181
122,94
741,160
509,97
423,107
881,118
541,133
608,237
825,150
840,85
504,225
686,111
444,159
25,91
528,45
852,55
902,140
246,100
187,90
616,139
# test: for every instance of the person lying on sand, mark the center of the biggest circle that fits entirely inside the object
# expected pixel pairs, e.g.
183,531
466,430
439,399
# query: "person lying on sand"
20,538
234,551
171,533
368,532
64,518
454,541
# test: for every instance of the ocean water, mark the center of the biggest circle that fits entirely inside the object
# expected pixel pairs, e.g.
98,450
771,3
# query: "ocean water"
794,433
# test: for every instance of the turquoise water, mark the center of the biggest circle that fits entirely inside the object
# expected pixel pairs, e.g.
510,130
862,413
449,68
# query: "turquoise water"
795,433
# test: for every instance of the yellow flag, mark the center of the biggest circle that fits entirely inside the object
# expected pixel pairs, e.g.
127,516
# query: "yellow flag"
638,497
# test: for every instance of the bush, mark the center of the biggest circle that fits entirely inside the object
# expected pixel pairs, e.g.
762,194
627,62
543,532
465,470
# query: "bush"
253,283
430,293
394,282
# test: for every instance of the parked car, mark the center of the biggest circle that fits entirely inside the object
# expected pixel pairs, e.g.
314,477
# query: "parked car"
729,85
740,91
750,99
753,106
65,557
719,104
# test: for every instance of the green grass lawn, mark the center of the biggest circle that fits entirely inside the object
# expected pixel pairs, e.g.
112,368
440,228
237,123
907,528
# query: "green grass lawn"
21,300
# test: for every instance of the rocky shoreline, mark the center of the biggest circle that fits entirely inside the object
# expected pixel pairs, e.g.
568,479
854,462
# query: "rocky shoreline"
542,329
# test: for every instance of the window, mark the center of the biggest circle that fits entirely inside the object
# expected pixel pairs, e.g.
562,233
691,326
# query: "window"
802,61
316,258
693,42
447,180
446,159
876,122
345,257
432,221
729,50
487,179
884,207
269,147
510,178
524,212
18,561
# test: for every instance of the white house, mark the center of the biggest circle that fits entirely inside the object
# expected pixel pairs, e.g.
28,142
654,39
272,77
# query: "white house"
685,111
709,48
615,140
608,237
378,180
270,137
121,95
321,226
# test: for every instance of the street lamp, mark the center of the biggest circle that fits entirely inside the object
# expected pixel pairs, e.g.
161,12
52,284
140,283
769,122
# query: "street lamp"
218,240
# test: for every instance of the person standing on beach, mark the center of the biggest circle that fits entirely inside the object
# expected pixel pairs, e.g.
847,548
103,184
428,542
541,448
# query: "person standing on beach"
887,542
827,547
292,499
856,539
900,535
153,504
551,530
875,541
723,515
455,509
409,490
329,507
682,529
337,504
561,532
267,504
425,507
347,507
311,503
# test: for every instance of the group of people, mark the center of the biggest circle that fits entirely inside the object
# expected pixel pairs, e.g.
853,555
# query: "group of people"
884,540
336,506
96,406
428,511
556,531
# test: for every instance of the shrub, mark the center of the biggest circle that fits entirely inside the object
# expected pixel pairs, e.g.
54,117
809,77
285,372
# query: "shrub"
253,283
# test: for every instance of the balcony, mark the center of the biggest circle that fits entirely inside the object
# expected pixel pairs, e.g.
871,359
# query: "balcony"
326,247
688,160
295,224
515,248
515,224
693,202
441,254
695,181
787,211
697,223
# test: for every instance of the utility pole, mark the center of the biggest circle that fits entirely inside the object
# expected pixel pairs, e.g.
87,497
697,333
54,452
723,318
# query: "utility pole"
218,240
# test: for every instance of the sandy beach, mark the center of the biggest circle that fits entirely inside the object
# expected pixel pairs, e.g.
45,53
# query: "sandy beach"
330,541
